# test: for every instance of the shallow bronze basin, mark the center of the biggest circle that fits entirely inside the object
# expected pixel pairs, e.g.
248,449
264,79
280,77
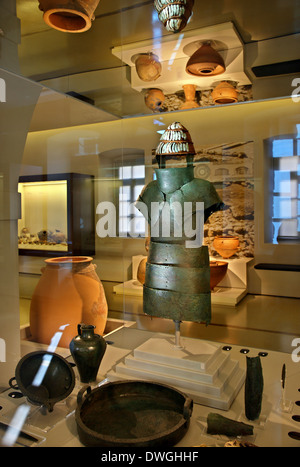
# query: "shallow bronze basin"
132,414
218,270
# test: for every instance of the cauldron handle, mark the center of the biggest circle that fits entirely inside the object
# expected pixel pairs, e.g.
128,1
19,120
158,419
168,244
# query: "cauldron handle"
187,409
13,386
86,389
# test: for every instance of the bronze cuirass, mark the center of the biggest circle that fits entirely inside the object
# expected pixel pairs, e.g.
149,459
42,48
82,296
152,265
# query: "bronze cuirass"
177,282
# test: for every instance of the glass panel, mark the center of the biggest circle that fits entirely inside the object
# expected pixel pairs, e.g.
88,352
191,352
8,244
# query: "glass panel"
16,112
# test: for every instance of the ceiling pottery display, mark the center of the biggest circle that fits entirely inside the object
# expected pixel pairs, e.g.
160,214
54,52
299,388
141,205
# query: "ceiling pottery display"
174,14
194,58
69,15
190,97
206,61
148,67
225,93
154,99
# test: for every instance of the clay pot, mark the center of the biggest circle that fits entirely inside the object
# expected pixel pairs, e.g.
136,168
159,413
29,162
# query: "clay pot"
218,270
174,15
154,99
224,93
69,292
206,61
190,97
141,272
69,15
226,245
148,67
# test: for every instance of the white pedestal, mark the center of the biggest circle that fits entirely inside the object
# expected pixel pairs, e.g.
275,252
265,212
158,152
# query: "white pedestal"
230,291
199,369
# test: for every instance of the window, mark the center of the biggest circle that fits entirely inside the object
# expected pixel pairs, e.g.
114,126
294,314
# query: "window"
285,194
131,222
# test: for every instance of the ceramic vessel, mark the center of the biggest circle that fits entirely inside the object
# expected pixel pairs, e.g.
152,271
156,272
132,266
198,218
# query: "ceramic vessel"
254,386
174,14
148,67
190,97
69,15
226,245
87,350
68,292
224,93
206,61
154,99
218,270
141,272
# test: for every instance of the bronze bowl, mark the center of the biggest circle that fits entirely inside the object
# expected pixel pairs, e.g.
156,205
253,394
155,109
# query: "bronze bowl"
218,270
55,384
132,414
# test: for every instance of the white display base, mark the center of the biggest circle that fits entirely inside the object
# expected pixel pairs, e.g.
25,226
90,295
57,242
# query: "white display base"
230,291
199,369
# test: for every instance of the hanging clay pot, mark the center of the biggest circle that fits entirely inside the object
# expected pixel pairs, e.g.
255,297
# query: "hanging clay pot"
218,270
68,292
224,93
174,14
148,67
206,61
154,99
87,350
190,97
69,15
226,245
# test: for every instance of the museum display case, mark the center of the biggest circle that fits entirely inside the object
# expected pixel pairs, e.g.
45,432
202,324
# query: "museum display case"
57,215
201,337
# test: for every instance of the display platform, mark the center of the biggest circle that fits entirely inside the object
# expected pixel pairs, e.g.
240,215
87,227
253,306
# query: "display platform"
272,429
198,368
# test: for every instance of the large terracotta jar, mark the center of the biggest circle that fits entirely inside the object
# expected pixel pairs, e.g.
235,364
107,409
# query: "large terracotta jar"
69,292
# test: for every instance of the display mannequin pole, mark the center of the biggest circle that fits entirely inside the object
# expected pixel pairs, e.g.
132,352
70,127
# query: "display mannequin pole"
177,335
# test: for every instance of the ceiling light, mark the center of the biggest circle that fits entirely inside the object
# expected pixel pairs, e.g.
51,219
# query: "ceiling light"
206,61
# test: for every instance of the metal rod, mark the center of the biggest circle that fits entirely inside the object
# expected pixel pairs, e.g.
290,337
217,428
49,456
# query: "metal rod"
177,335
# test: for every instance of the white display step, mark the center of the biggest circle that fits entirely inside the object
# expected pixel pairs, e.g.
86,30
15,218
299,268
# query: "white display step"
200,369
212,373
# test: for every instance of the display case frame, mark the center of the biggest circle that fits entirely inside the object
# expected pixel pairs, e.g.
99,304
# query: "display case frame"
80,215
